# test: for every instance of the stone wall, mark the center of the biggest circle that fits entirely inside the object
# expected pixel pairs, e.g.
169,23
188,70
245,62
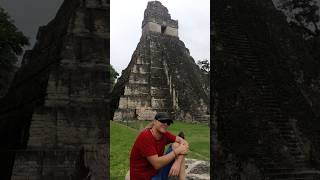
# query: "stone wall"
157,19
161,76
169,81
54,120
263,120
171,31
151,26
155,27
156,12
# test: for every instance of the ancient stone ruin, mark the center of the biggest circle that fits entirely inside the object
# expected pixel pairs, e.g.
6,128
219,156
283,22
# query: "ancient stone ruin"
161,76
266,95
53,121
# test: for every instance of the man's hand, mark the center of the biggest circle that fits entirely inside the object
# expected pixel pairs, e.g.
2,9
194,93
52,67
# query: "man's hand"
181,141
184,142
182,149
175,169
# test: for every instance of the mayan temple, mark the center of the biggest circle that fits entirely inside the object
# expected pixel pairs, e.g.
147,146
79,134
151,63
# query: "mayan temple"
161,76
53,122
266,93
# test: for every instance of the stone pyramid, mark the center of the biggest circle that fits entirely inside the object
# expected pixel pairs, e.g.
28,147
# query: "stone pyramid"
54,118
161,76
265,123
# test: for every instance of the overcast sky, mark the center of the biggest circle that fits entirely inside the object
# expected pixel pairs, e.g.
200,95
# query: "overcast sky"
126,19
28,15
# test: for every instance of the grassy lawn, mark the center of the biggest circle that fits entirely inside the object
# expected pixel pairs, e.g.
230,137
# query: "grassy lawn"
198,136
122,138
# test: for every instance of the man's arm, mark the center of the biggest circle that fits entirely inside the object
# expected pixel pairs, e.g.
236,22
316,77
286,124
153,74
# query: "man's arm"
158,162
176,166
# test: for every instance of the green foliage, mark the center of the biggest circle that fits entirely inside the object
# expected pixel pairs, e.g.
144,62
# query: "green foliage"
10,37
304,14
113,74
204,65
122,138
11,43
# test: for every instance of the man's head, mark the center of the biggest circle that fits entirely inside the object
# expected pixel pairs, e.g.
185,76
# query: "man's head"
162,121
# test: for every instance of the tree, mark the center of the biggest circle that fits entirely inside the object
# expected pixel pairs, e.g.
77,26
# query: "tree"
204,65
11,45
113,74
304,15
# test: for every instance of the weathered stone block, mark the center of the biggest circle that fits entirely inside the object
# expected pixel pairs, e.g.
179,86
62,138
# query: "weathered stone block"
156,63
90,49
99,20
143,61
79,25
138,101
160,92
140,68
157,71
138,79
160,103
146,114
158,82
136,90
56,89
124,114
151,26
123,102
42,130
171,31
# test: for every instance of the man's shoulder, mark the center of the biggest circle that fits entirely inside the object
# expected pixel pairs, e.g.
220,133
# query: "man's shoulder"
170,136
145,137
168,133
145,133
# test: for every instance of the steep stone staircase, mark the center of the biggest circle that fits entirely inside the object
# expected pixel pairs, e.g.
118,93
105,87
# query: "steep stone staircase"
160,90
147,90
236,44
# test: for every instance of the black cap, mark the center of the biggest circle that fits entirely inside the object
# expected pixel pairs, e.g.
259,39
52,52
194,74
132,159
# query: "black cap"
162,116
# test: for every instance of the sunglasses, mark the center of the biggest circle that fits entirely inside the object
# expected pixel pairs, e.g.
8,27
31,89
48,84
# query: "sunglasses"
165,121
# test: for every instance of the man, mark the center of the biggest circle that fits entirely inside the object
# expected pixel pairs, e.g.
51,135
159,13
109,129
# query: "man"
147,159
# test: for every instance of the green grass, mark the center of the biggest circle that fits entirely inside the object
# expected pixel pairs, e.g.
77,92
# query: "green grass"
198,136
135,124
122,138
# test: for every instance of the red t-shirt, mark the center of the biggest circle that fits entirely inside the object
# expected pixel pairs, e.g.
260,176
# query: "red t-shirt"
146,145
